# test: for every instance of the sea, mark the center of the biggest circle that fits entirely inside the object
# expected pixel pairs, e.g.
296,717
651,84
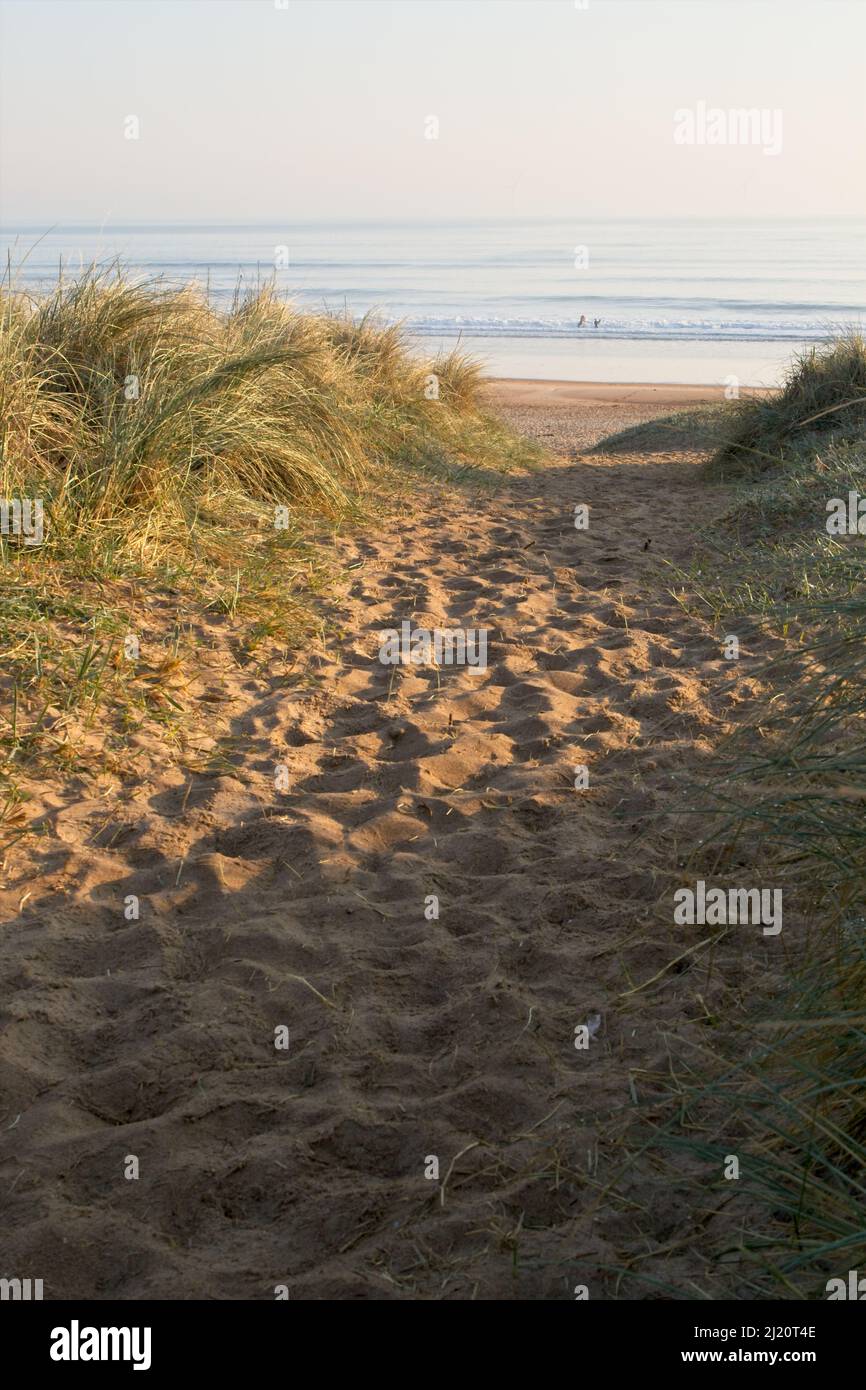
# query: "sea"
628,300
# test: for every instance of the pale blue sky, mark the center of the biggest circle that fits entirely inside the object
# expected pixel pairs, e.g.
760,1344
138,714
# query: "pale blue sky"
253,113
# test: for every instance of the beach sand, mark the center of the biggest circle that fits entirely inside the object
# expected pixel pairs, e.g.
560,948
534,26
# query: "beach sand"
528,391
412,1037
566,416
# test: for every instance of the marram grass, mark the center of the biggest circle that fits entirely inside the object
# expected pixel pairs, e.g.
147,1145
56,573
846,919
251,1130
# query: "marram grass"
121,400
208,456
784,1088
824,394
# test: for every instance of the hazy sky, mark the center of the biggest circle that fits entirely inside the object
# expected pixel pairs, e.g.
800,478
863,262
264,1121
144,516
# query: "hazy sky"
250,112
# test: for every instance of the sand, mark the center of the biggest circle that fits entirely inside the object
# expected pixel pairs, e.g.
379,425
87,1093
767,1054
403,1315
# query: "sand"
411,1037
524,391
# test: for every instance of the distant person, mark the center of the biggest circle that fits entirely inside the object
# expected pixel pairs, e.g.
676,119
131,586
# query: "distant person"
582,321
596,322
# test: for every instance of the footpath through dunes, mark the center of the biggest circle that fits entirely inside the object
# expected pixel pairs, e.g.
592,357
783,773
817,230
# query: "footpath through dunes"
410,1036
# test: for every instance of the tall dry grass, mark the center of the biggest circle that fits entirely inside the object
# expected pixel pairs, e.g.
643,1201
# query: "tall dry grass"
785,1088
824,392
208,454
123,401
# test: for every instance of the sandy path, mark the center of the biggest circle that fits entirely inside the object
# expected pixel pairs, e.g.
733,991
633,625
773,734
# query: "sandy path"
409,1037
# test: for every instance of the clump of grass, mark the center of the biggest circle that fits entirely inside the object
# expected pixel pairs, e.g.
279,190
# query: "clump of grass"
825,392
769,555
120,401
459,378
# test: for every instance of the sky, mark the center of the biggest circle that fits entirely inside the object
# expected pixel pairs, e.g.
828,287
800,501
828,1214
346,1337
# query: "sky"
304,110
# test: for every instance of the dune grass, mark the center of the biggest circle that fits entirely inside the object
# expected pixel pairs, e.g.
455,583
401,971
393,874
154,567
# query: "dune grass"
824,394
786,1090
121,402
203,456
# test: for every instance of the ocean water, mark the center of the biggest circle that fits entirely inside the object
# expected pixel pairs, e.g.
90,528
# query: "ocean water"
693,300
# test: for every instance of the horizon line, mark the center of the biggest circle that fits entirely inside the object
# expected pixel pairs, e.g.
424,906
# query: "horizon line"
27,224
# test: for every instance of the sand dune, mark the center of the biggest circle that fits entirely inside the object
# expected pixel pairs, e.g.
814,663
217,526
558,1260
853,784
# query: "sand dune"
409,1037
